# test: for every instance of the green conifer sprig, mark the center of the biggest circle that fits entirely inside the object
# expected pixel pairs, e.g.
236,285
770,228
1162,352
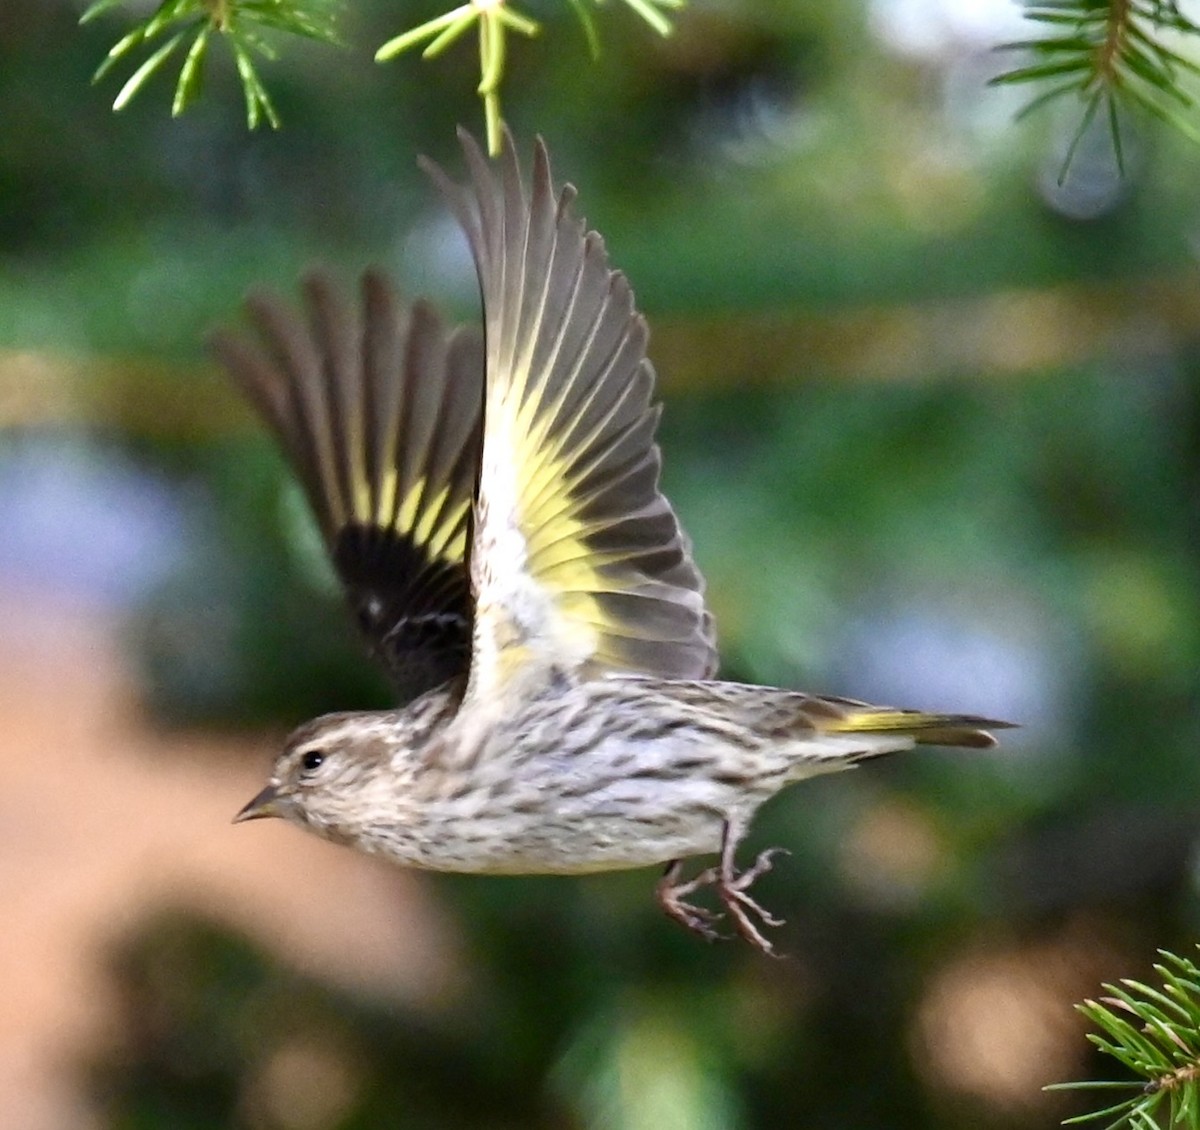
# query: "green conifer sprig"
494,20
1155,1033
1109,54
241,24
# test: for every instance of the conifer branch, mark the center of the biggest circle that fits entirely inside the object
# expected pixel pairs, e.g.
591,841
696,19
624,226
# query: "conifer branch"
494,20
242,23
1111,55
1155,1033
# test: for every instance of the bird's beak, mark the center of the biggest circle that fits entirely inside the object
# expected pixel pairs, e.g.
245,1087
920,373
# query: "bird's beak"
263,805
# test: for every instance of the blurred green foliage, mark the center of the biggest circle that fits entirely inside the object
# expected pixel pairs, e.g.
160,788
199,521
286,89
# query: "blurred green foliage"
1019,540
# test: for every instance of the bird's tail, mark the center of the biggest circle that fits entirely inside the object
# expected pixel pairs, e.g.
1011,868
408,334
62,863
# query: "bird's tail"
925,729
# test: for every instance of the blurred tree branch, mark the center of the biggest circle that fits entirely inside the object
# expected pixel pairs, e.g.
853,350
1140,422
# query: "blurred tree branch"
1006,335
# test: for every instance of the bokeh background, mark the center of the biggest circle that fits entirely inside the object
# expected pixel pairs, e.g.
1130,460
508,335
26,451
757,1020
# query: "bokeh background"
931,422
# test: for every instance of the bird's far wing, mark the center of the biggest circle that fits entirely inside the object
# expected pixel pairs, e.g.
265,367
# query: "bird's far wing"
378,410
578,560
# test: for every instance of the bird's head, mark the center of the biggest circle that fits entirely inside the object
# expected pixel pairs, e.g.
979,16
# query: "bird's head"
338,774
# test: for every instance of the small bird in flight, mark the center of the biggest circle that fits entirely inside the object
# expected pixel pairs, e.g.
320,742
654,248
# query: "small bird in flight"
491,505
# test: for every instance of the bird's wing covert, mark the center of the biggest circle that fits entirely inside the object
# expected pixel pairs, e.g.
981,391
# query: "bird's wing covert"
377,406
578,560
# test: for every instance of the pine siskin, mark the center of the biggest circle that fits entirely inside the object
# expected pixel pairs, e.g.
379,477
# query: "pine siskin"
491,505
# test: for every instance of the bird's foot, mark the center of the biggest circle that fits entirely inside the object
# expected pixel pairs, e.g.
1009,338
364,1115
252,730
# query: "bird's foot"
672,897
732,888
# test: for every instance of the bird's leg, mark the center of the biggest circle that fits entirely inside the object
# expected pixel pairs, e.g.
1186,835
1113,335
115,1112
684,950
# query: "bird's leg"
733,890
672,895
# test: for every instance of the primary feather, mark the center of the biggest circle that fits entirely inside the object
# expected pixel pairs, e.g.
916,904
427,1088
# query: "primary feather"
578,560
378,409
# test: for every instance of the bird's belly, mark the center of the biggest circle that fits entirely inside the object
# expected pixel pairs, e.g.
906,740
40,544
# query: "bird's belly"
568,816
567,787
558,840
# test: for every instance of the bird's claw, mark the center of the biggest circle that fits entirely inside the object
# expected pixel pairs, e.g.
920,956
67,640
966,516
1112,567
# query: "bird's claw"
732,888
672,896
743,910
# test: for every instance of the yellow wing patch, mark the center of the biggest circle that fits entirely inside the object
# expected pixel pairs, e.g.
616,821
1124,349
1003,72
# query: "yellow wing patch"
436,523
577,558
377,405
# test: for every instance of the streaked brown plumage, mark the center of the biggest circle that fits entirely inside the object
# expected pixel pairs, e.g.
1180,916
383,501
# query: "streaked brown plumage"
492,508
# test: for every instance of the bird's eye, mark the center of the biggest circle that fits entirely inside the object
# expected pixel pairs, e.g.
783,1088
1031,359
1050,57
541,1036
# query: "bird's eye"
312,760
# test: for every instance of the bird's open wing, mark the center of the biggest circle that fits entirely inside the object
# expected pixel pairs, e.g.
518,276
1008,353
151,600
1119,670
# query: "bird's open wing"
378,410
578,560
